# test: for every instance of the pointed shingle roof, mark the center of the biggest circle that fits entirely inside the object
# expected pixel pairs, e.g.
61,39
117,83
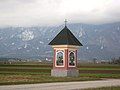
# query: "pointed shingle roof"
65,37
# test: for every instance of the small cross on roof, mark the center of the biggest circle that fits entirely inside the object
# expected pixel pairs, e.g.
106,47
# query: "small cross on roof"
65,22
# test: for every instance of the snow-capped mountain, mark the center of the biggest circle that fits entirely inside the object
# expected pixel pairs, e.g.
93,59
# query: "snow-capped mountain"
99,41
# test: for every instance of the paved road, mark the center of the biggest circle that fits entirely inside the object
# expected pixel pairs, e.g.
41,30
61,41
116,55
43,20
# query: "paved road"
64,85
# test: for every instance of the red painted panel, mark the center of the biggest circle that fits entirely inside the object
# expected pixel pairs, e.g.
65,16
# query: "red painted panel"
76,57
66,59
75,60
54,58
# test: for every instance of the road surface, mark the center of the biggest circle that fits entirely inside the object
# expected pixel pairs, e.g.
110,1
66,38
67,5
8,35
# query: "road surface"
64,85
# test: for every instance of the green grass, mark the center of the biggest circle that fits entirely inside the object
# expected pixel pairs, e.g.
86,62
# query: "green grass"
40,73
104,88
101,75
99,68
21,78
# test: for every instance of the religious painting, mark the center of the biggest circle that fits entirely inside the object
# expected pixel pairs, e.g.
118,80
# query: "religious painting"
71,58
59,58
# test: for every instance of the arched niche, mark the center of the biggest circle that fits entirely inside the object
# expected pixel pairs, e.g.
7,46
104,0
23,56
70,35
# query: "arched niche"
59,58
72,59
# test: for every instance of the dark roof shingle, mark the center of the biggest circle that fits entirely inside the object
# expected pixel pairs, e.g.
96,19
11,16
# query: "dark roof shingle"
65,37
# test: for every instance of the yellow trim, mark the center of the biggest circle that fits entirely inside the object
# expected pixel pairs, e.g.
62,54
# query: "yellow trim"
65,46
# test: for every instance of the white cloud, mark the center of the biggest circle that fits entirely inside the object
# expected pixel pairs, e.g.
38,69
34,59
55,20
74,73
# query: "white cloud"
51,12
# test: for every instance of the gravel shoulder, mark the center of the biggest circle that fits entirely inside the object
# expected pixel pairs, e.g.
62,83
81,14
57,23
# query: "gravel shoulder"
64,85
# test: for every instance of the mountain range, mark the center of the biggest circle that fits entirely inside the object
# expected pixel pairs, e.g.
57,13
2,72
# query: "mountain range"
99,41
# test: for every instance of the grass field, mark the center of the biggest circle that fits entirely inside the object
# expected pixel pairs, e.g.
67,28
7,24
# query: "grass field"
104,88
40,73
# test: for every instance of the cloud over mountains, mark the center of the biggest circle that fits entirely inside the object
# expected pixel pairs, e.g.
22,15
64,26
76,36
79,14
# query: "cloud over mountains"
53,12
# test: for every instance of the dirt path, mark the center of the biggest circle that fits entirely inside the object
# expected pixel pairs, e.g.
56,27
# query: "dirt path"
64,85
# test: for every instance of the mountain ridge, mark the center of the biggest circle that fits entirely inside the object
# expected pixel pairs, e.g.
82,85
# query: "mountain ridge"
99,41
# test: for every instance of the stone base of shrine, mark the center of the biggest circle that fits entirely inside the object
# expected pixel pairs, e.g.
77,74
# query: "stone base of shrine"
65,73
